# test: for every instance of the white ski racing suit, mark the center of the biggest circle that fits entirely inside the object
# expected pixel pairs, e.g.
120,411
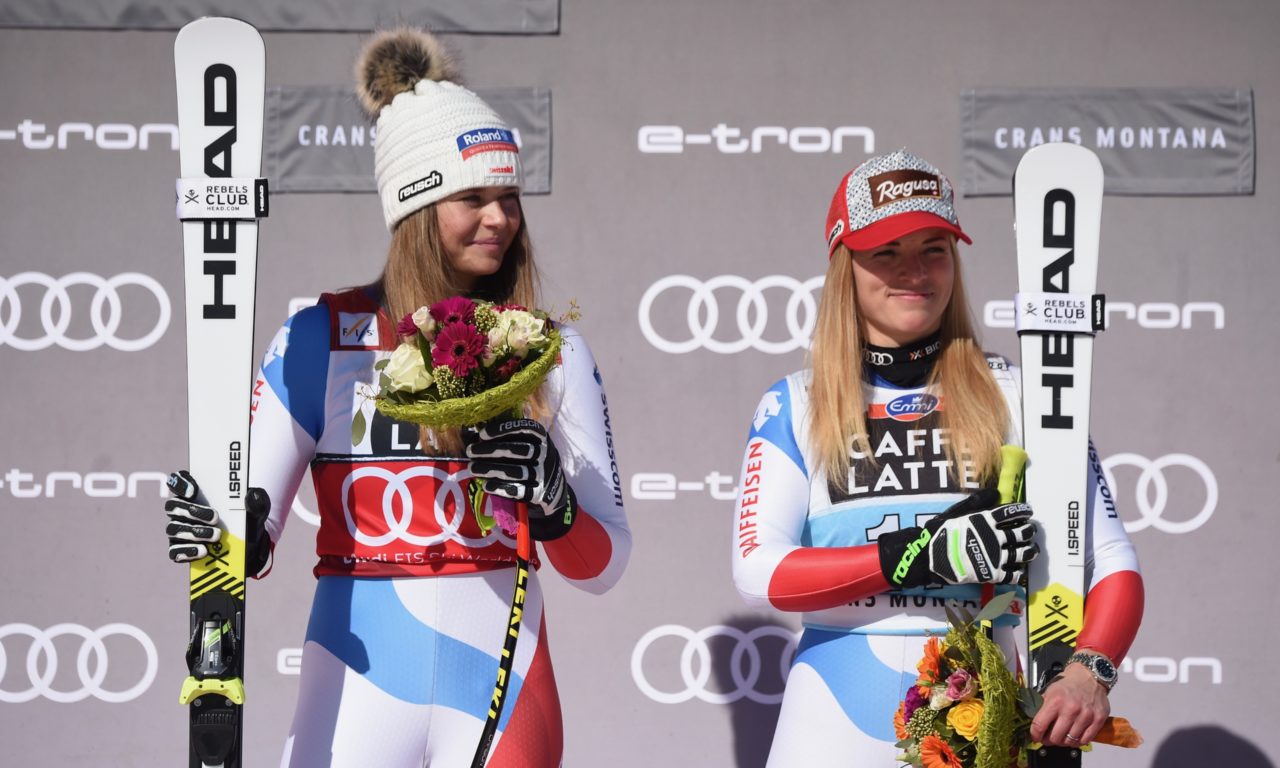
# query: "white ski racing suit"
804,544
412,597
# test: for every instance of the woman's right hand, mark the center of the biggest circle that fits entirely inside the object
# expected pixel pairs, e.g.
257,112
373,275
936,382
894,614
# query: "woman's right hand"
193,529
193,526
975,541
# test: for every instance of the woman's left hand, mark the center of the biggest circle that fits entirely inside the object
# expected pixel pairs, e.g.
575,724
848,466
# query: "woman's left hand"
1075,707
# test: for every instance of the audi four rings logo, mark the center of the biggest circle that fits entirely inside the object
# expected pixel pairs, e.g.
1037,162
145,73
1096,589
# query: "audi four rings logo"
451,485
751,314
91,663
105,311
1152,491
695,676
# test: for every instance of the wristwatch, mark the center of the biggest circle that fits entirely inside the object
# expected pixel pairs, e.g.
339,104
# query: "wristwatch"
1099,665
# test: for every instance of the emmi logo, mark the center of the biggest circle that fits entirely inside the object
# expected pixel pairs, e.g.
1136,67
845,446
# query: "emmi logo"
1155,315
1161,669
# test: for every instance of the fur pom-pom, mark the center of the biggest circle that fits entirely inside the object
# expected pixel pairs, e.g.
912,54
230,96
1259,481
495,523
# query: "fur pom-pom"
393,61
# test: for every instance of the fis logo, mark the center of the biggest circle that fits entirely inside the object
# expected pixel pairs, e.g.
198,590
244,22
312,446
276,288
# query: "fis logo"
911,407
486,140
358,330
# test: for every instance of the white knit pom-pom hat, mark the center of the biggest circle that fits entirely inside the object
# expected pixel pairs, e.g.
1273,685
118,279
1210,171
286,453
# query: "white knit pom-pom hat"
438,139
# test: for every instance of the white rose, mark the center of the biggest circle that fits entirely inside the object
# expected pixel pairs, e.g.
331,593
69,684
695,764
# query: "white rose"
407,371
499,332
526,331
425,322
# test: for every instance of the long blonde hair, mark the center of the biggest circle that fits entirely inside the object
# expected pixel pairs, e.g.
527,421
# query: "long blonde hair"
418,274
975,415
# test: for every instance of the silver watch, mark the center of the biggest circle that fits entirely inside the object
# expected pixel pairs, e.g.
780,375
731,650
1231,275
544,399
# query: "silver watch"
1100,666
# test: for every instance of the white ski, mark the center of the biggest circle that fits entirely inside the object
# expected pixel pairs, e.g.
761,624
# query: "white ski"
1058,213
220,68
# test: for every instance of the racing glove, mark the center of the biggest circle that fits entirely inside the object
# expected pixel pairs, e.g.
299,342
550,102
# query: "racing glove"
193,525
972,542
517,460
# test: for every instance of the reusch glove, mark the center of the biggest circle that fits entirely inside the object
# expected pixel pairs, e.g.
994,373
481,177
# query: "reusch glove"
193,525
972,542
517,460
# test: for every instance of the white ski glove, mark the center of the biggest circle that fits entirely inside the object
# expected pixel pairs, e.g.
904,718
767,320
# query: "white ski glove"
972,542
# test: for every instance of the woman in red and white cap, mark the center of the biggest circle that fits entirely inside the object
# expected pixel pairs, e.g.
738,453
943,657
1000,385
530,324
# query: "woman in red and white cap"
412,596
893,430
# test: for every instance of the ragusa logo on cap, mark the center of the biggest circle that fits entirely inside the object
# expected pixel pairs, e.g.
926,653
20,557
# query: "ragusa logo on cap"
486,140
897,185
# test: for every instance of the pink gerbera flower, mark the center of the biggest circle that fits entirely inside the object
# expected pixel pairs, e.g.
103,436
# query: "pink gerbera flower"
456,309
458,346
406,327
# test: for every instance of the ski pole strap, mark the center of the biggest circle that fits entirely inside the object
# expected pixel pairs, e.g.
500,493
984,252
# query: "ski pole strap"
1059,312
204,198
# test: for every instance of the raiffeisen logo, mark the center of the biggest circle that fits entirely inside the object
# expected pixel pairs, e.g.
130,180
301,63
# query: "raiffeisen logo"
731,140
35,135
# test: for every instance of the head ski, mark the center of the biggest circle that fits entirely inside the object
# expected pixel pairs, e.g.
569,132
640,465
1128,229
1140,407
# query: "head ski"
1058,212
220,67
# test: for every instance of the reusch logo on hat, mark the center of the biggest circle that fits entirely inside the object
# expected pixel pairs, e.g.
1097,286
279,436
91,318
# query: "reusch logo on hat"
896,185
431,181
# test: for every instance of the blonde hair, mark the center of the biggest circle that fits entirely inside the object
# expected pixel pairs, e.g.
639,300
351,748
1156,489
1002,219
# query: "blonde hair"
418,273
975,415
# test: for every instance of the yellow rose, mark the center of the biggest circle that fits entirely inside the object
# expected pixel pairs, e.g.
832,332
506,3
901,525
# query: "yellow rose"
965,717
407,371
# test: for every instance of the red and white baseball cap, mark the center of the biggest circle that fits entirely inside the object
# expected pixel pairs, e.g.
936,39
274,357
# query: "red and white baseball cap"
889,197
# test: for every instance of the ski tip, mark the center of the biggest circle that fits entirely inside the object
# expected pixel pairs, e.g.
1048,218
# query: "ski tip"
226,31
1059,153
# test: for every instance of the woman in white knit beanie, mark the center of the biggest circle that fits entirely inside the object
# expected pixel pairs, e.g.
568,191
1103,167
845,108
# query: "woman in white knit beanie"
411,604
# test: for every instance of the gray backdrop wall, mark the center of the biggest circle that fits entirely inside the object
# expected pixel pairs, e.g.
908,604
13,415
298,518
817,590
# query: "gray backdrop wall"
90,427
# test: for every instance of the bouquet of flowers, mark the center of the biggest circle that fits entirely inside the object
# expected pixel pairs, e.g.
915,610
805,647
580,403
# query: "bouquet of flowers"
461,362
967,710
